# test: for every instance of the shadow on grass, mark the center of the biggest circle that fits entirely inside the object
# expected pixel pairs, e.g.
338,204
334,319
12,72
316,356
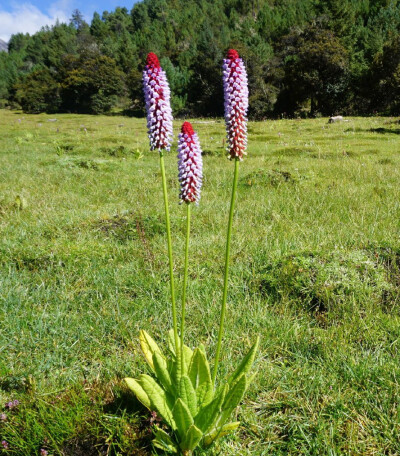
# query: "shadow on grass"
385,130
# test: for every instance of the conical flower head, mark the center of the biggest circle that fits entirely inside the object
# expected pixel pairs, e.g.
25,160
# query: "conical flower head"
190,164
236,96
158,108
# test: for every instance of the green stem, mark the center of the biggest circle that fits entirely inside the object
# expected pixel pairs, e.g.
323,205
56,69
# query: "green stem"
171,267
185,275
227,252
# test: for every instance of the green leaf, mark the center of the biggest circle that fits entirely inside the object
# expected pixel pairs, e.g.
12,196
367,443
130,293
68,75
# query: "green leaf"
171,342
138,391
205,394
192,438
224,430
163,441
200,376
182,417
187,352
160,400
245,366
232,399
161,370
209,414
149,347
188,394
187,357
199,369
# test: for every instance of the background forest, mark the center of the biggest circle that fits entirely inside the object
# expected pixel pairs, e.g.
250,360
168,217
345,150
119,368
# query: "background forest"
304,58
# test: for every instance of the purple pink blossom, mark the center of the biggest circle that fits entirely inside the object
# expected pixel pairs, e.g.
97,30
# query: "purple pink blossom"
12,404
190,164
236,96
158,108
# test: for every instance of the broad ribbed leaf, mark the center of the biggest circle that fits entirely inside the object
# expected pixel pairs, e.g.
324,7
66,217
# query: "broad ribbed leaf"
161,370
232,399
245,366
163,441
192,438
205,394
149,347
209,414
199,369
160,400
171,341
188,394
187,357
200,376
138,391
182,417
187,352
216,434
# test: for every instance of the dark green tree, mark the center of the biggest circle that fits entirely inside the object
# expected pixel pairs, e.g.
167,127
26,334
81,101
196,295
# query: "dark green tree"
385,79
39,92
90,84
316,76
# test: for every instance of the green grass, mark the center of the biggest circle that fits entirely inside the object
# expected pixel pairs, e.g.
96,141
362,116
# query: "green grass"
314,271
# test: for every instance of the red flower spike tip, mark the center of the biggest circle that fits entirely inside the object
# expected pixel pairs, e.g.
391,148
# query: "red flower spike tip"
232,54
152,60
187,128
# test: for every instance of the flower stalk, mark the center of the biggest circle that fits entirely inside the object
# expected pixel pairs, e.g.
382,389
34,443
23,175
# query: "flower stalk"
236,95
169,242
190,174
226,273
159,125
185,276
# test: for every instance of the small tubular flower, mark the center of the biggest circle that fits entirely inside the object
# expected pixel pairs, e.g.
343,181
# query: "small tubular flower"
236,96
190,164
158,108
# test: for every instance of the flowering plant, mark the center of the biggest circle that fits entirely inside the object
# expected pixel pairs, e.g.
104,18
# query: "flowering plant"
182,390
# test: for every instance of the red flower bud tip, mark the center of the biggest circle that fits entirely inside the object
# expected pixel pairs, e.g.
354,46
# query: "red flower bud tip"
152,60
232,54
187,128
236,96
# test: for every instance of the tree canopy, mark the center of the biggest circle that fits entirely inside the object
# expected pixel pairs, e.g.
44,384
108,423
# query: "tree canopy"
304,57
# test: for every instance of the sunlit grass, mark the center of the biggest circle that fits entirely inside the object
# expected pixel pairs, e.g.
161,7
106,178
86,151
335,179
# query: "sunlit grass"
315,258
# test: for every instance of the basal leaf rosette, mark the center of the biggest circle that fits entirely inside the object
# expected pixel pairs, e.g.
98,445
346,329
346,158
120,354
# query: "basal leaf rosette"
157,98
184,396
236,98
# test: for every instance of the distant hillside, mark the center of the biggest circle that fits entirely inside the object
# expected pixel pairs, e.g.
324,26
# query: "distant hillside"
3,46
303,57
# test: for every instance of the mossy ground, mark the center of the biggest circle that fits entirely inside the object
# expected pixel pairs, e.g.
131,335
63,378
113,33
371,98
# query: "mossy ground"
314,271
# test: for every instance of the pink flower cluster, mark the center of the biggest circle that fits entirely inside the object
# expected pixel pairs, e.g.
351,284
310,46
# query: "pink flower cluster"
190,164
236,95
157,97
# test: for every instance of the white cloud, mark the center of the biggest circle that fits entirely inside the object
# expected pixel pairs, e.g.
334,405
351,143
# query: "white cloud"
27,18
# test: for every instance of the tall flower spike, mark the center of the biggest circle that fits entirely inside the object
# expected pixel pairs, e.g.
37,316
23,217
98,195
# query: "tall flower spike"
158,108
190,164
236,95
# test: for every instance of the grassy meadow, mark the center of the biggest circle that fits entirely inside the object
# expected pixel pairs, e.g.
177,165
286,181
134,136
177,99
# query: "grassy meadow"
315,270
